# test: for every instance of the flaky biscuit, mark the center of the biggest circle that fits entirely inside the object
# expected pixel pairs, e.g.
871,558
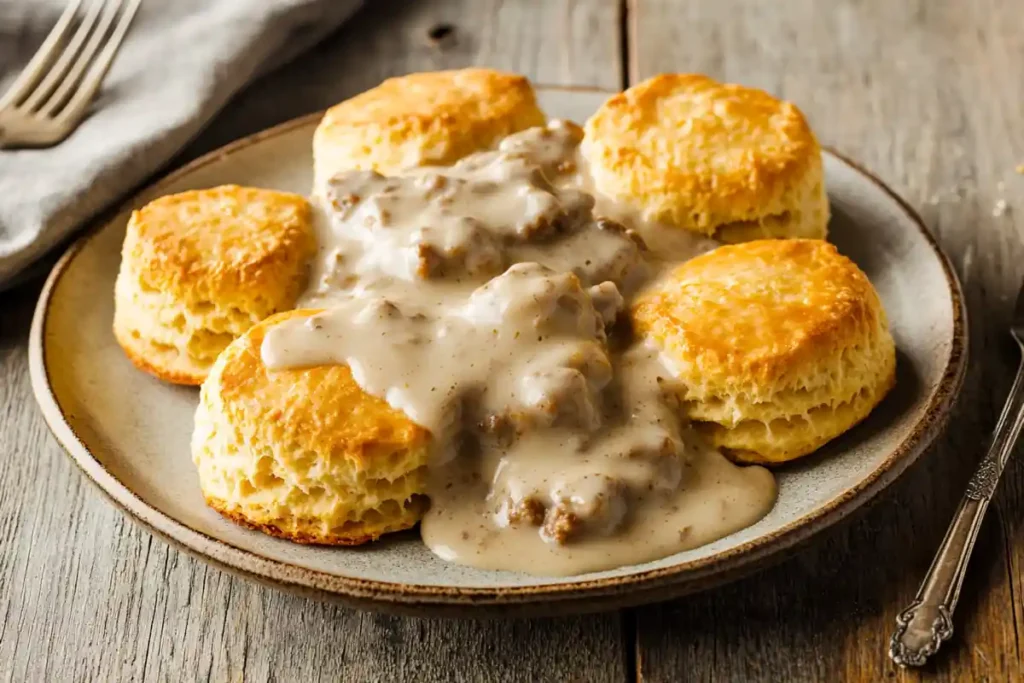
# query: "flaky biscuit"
721,160
422,119
200,267
778,345
305,454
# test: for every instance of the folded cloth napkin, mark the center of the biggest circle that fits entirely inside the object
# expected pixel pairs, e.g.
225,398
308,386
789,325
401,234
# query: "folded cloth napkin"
180,63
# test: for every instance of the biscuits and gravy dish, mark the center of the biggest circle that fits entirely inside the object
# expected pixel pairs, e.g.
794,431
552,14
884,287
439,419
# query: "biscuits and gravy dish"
200,268
523,335
777,346
425,119
720,160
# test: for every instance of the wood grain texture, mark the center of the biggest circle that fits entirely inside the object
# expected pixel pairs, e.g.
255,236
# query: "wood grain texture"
554,42
928,95
87,596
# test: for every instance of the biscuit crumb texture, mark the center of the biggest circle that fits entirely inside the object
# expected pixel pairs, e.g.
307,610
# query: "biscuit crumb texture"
722,160
201,267
305,454
778,346
422,119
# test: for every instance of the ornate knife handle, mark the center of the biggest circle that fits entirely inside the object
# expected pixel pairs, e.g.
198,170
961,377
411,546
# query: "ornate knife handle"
928,621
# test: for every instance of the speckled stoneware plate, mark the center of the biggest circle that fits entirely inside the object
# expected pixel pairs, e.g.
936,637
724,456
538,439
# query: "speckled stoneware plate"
129,433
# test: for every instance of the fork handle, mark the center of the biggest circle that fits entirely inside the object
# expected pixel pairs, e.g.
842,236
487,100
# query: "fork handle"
928,621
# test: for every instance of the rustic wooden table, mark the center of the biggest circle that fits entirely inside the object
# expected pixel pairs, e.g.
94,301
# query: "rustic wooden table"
927,93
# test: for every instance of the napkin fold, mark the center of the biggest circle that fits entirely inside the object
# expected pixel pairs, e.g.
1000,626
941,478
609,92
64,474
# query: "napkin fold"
180,63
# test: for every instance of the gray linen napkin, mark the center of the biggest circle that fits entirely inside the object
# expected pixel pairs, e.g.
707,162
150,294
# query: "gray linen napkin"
181,62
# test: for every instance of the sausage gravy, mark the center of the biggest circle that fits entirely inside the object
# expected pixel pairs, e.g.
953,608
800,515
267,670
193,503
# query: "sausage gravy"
487,301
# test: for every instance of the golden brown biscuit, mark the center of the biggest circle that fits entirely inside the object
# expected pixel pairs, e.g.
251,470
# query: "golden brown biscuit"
717,159
305,454
200,267
778,345
422,119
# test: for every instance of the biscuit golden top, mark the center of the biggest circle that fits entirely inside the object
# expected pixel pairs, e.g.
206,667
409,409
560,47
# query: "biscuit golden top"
424,119
761,313
219,242
690,151
320,410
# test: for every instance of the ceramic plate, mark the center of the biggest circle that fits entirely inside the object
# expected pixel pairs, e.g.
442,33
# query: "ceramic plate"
129,433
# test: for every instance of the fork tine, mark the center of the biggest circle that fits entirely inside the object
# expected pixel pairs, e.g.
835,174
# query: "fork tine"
77,105
33,71
57,71
96,41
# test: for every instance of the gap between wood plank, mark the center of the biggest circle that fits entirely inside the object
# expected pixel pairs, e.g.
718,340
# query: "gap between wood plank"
630,40
630,646
630,633
625,44
1004,536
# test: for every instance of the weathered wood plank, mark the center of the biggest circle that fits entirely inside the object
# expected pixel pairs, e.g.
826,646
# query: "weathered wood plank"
927,94
561,42
86,595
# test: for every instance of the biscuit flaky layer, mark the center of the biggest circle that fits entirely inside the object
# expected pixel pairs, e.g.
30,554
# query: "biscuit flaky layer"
722,160
305,454
422,119
778,345
200,267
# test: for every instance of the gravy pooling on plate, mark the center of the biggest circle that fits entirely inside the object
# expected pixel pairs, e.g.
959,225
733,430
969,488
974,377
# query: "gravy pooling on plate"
486,300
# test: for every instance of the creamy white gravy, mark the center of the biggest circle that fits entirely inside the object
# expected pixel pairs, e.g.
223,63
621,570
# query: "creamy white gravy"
486,300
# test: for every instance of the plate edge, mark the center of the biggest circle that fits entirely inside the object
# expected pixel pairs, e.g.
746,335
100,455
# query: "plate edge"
733,561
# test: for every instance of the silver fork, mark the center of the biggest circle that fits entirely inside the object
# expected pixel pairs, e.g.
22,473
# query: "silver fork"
928,621
52,94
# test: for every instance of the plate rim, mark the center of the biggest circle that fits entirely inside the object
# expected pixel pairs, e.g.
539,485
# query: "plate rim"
596,593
